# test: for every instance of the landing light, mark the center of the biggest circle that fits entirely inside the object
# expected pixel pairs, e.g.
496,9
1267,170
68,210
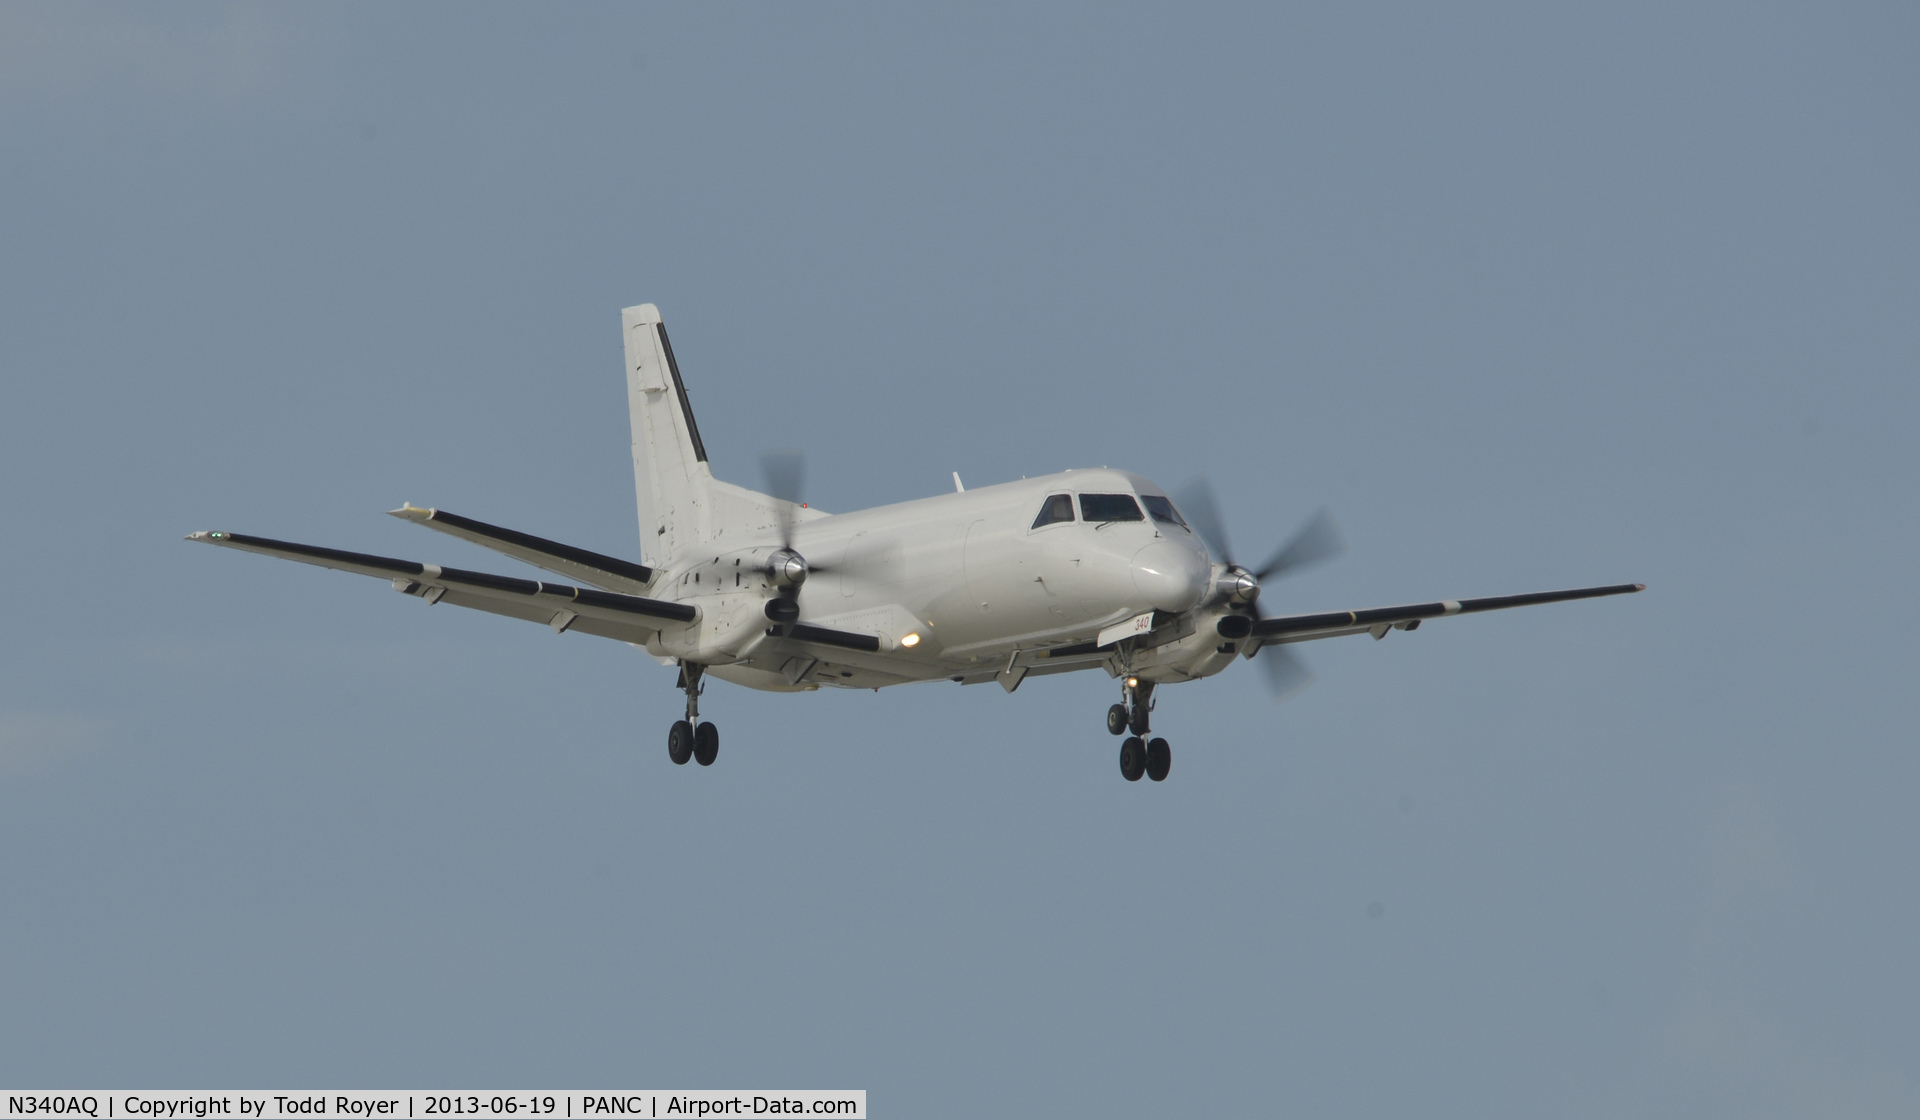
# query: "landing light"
910,640
1133,682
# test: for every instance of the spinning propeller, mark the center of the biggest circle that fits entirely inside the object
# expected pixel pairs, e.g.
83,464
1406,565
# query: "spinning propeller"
1319,539
786,471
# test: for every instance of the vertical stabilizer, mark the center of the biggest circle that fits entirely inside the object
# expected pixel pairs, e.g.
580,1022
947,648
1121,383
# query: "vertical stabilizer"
670,472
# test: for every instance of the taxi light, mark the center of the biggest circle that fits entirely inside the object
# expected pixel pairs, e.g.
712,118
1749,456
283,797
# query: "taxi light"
1133,682
910,640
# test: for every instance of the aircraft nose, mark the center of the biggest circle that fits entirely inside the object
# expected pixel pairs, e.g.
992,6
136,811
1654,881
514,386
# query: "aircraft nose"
1171,577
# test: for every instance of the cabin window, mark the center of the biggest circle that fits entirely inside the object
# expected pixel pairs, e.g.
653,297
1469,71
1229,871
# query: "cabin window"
1058,507
1100,508
1162,510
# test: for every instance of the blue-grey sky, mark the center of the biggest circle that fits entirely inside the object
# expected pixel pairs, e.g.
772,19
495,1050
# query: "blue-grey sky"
1530,298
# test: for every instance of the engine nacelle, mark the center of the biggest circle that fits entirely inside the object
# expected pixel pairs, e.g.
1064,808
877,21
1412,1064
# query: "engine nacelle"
1201,647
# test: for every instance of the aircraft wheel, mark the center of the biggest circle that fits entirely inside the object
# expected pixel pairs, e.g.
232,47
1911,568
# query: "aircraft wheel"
706,744
1133,758
1159,760
1117,719
680,742
1137,721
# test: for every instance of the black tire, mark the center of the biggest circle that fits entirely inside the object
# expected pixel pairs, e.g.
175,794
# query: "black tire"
1133,758
680,742
1137,722
706,744
1117,719
1159,760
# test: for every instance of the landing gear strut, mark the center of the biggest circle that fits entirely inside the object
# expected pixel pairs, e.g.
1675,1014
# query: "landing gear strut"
689,738
1139,704
1138,755
1132,713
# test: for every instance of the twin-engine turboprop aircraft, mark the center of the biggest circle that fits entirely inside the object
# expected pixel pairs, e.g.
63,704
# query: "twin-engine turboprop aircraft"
1089,569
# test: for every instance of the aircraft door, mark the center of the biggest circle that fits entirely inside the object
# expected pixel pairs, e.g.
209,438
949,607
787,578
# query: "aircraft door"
966,614
1005,571
871,565
849,582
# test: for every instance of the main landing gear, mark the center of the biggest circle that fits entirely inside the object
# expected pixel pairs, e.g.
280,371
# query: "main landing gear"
1138,754
689,738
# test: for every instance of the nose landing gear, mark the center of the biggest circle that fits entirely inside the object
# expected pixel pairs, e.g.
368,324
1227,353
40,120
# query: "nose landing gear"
1138,756
689,738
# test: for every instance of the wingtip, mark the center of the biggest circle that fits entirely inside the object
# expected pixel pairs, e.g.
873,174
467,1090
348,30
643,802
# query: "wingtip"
1639,587
207,536
411,512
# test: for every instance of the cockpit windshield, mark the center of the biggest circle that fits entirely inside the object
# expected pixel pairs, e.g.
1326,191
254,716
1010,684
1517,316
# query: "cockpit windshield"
1058,507
1099,508
1163,511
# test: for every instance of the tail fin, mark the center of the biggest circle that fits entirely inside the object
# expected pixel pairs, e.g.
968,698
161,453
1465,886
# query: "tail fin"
681,504
670,471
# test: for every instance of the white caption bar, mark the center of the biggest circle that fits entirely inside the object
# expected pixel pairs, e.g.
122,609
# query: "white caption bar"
365,1104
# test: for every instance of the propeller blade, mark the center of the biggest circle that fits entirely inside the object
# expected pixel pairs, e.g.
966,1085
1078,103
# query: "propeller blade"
1319,539
786,473
1196,501
1286,673
873,560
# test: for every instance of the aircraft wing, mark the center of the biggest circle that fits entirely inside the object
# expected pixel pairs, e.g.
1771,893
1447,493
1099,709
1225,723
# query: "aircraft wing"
1378,620
609,573
607,614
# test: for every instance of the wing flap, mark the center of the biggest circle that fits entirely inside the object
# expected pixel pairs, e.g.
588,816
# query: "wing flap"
1333,624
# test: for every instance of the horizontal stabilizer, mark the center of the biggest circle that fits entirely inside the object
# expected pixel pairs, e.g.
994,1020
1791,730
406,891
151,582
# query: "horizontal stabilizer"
1305,627
607,614
609,572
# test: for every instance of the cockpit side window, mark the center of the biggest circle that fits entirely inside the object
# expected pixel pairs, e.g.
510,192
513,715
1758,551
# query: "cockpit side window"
1162,511
1058,507
1101,508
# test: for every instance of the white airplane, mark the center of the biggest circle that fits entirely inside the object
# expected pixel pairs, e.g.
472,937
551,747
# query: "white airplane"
1088,569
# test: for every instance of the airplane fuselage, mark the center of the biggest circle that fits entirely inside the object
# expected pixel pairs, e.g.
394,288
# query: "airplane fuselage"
957,585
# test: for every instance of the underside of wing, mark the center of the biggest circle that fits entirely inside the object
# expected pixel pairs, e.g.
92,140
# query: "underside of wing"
607,614
1378,620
